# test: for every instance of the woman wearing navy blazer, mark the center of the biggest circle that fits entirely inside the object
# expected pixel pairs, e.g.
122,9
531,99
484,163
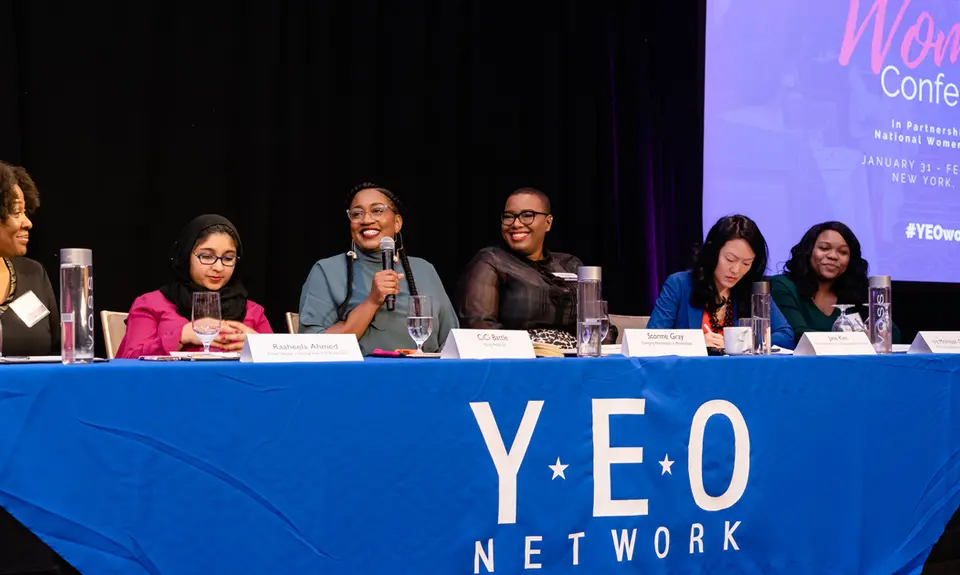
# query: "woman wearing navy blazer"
716,291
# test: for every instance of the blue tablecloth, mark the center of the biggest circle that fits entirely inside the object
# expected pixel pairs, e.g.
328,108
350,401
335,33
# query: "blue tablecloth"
808,465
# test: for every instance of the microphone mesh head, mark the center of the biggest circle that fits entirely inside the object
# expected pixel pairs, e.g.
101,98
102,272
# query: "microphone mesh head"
387,244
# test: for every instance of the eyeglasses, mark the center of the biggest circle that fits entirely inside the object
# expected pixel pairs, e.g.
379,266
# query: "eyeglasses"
377,212
208,259
526,217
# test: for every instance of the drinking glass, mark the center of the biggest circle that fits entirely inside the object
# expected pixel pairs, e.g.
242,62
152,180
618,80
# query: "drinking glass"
866,326
206,317
604,321
420,319
589,323
845,322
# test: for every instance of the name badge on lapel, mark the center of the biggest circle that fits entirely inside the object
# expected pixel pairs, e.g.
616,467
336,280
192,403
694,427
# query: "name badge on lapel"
29,309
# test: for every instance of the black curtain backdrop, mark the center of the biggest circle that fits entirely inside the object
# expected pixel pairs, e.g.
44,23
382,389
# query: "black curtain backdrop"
135,117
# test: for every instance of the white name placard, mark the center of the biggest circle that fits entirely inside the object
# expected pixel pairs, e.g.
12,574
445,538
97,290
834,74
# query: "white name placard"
488,344
936,342
293,348
835,343
659,342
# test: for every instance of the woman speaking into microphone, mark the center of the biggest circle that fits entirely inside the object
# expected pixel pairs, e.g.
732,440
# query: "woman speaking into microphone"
348,293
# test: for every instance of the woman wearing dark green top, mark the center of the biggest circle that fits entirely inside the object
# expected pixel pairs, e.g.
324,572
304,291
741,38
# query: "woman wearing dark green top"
825,269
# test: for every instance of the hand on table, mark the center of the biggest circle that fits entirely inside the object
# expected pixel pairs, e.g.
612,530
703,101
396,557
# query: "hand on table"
714,340
188,337
232,335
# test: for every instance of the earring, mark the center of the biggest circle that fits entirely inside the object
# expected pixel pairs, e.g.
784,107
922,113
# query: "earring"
353,250
396,252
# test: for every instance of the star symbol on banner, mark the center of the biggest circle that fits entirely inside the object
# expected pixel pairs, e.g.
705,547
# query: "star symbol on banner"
666,464
558,470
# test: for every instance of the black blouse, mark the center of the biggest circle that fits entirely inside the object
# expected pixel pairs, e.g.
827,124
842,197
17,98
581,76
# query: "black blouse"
44,337
501,289
22,551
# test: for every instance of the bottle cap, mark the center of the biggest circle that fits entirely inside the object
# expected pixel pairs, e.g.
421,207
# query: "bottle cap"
880,281
588,273
760,288
76,257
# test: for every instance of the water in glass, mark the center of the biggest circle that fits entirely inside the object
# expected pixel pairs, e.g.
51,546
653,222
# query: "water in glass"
879,315
206,317
589,331
76,306
604,321
588,311
420,319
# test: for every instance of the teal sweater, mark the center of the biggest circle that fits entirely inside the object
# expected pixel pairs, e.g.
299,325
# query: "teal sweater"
326,288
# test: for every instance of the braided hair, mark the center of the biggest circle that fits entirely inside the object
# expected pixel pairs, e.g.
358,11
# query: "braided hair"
343,310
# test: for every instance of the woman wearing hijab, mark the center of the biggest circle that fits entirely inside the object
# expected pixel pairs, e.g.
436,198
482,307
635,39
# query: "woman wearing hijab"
205,258
345,293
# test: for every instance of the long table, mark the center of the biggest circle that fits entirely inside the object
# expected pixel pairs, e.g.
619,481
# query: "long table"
612,465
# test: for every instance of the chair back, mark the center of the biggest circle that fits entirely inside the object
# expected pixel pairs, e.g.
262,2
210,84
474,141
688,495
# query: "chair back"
114,328
628,322
293,322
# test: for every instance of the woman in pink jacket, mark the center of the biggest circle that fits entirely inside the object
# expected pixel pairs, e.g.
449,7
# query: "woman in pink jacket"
205,258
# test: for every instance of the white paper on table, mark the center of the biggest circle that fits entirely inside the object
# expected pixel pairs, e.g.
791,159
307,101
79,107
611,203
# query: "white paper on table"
213,355
31,359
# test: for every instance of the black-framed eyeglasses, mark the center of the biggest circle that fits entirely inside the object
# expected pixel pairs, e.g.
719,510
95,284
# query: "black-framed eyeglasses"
526,217
209,259
377,212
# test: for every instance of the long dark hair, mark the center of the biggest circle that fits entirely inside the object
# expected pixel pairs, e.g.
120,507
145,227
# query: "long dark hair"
850,287
401,251
704,288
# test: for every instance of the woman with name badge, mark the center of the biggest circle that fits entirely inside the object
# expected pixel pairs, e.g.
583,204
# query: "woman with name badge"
348,293
716,292
826,270
29,326
29,314
206,258
521,285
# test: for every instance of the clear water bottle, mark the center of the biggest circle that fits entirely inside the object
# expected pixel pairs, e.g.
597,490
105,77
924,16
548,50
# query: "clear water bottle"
880,317
588,311
76,306
760,317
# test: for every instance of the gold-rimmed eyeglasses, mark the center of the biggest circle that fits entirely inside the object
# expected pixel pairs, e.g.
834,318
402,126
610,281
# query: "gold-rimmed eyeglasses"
376,211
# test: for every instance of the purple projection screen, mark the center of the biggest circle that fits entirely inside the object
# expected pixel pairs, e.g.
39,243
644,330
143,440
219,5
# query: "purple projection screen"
846,110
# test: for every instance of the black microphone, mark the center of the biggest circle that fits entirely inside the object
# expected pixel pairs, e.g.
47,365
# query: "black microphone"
387,247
